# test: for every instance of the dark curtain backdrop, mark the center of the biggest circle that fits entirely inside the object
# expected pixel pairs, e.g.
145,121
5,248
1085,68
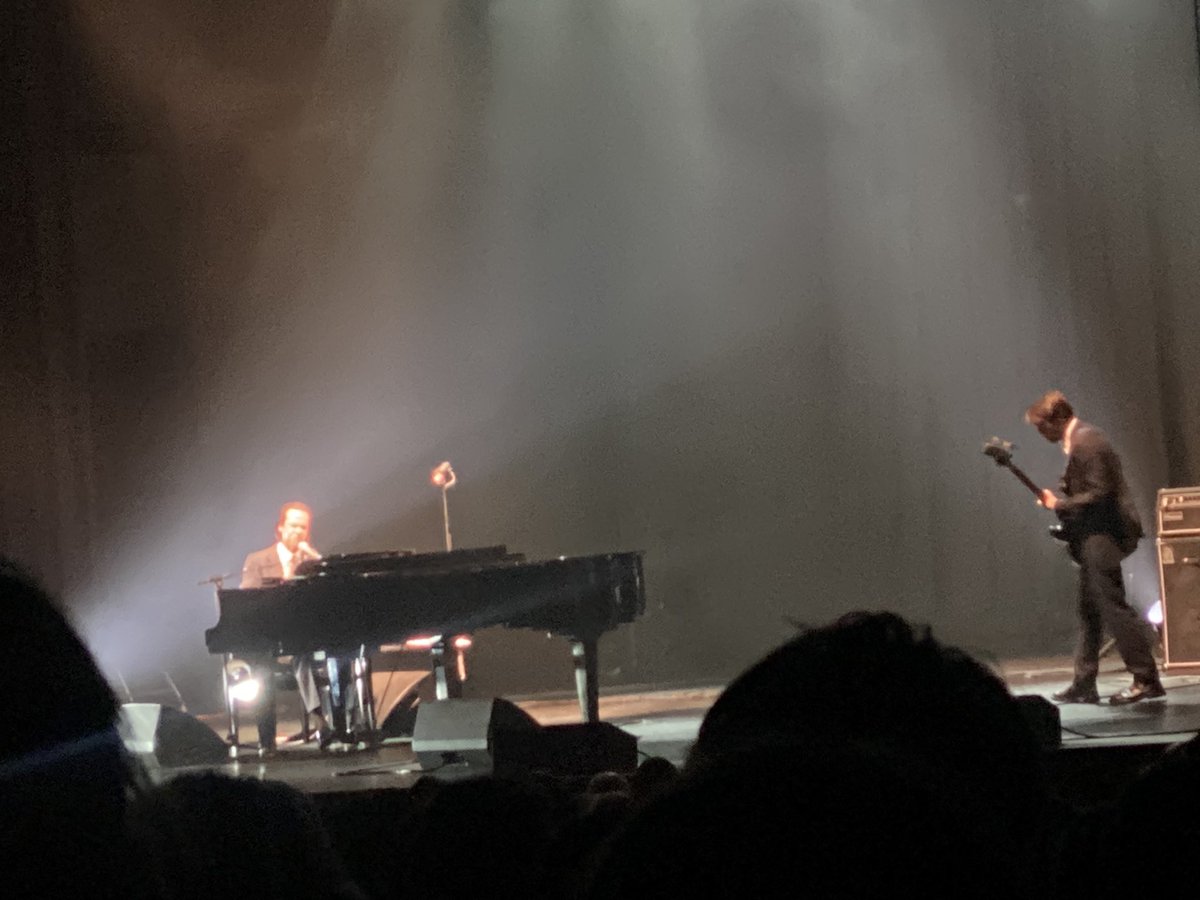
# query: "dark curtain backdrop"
740,284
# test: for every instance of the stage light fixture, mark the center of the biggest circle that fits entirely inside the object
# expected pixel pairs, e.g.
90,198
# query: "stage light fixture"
443,476
243,686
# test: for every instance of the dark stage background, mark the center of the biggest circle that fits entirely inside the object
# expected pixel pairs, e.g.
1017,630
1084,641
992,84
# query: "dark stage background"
740,284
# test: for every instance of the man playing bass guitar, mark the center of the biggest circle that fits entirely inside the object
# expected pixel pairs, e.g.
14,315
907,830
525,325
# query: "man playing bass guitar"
1102,527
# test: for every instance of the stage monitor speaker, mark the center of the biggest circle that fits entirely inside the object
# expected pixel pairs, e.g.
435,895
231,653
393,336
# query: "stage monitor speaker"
164,736
581,749
448,731
1179,581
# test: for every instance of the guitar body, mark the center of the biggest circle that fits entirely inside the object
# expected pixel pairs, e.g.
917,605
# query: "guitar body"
1061,532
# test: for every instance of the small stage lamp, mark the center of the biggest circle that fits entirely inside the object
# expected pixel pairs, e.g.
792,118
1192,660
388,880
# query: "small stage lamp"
242,685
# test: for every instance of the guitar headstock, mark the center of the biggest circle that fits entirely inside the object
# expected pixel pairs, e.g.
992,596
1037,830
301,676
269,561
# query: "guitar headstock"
1000,451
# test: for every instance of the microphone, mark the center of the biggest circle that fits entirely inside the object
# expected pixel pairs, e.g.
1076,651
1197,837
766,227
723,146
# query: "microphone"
307,549
443,476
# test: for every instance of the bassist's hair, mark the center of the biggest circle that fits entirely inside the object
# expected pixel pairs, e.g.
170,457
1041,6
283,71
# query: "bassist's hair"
1052,406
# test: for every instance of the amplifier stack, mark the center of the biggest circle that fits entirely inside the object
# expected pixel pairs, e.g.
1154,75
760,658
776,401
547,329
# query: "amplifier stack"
1179,574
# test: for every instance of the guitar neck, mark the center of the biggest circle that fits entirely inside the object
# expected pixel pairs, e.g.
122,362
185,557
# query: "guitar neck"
1025,480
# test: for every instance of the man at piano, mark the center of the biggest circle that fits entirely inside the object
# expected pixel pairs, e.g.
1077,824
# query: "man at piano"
269,565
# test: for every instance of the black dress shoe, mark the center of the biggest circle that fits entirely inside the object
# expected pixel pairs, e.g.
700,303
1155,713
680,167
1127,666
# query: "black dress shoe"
301,737
316,728
1138,691
1076,693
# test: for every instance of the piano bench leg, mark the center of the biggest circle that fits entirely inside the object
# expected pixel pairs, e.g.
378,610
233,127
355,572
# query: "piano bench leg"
587,678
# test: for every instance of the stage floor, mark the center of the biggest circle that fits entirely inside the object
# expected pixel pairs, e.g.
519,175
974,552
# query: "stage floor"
666,722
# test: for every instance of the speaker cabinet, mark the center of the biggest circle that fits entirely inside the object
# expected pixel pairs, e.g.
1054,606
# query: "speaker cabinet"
1179,581
167,737
449,731
581,749
1178,512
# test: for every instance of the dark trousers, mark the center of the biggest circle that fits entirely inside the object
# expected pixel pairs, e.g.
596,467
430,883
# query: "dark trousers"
264,671
1102,605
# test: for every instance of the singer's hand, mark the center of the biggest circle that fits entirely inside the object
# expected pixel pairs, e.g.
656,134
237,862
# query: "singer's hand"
306,549
1047,499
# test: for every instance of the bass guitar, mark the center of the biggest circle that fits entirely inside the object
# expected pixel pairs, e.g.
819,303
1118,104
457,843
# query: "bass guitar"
1001,453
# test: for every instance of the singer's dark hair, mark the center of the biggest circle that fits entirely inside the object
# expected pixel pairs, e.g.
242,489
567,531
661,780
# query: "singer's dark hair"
294,504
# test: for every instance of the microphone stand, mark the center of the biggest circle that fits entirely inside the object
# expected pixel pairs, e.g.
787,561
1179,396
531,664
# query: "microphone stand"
443,477
218,580
218,583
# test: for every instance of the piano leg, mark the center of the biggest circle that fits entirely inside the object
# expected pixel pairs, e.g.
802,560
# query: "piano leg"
230,708
441,686
362,691
587,677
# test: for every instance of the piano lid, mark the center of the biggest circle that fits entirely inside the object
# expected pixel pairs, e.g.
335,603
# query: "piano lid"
397,562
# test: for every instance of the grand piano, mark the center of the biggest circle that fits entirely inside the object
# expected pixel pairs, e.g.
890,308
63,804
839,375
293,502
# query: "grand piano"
344,605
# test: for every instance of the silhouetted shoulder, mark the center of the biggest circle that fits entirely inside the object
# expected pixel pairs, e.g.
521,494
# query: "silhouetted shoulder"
1090,439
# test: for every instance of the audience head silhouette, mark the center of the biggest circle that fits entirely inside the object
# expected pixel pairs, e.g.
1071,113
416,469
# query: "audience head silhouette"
872,679
857,759
209,835
64,775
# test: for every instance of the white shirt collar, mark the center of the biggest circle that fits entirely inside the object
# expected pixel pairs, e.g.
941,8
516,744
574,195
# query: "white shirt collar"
1069,434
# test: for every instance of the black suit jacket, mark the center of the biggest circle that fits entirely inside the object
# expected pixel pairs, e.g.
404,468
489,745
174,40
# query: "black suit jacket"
1098,500
260,566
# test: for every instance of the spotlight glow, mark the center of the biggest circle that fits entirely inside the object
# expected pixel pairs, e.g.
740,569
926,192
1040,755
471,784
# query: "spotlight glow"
244,688
245,691
421,643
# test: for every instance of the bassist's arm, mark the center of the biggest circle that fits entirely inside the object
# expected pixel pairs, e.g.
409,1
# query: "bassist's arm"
1095,483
